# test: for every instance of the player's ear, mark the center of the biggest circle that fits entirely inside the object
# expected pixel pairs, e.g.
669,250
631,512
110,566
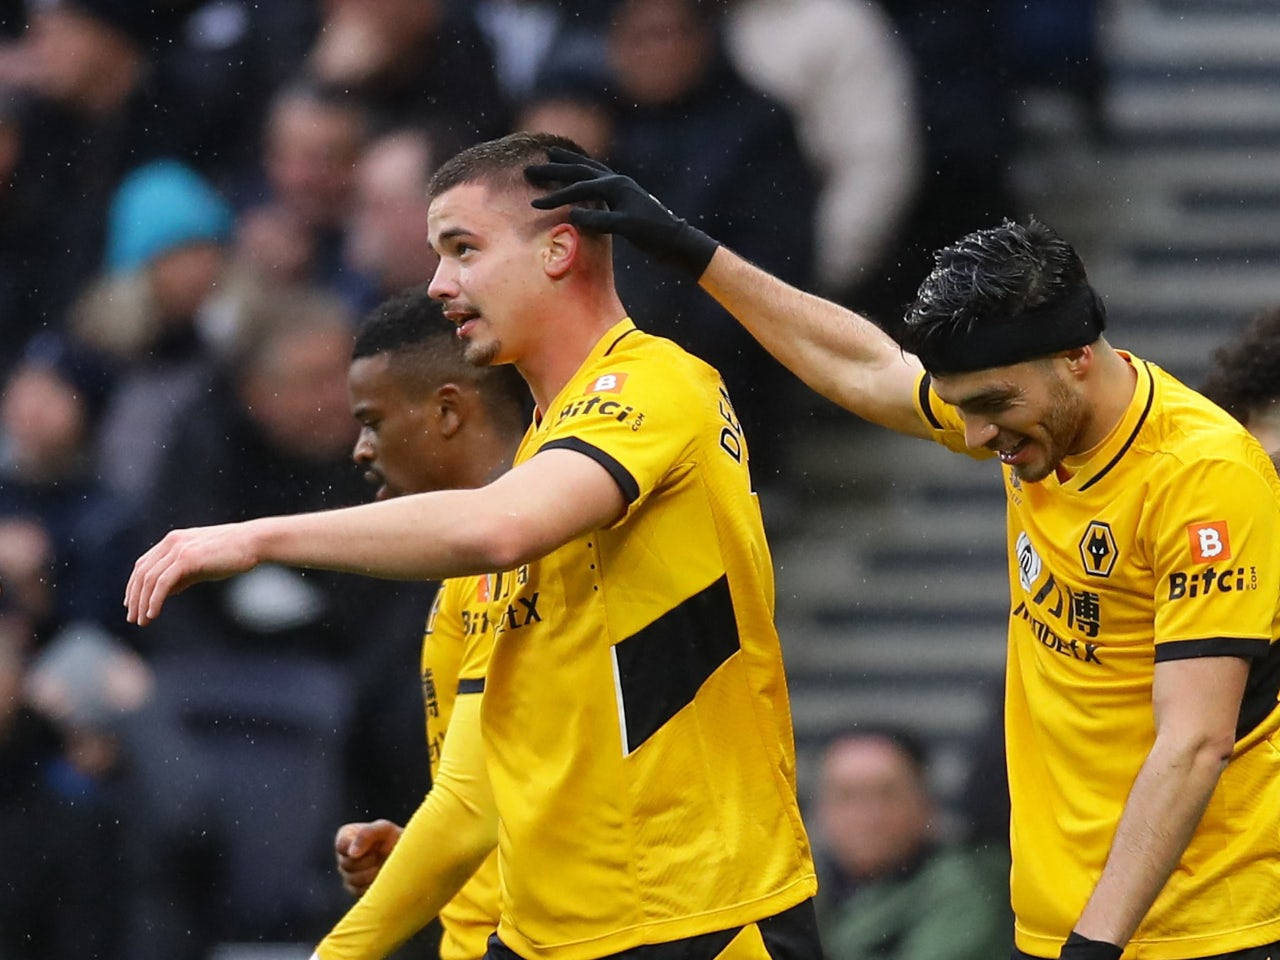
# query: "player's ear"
448,410
561,250
1079,360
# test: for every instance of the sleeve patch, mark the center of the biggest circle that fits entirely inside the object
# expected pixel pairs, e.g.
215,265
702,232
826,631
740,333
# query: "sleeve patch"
1209,542
607,383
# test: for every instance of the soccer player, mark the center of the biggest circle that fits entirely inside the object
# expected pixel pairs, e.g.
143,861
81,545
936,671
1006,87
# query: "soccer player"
1245,380
431,421
1144,561
639,763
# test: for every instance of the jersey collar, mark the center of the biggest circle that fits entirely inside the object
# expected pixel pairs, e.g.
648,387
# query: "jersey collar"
1102,459
603,347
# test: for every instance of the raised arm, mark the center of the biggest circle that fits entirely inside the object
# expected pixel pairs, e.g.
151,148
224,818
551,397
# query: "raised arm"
524,514
838,353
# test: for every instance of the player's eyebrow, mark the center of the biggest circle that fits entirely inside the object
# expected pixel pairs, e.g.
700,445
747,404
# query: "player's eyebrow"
986,399
453,233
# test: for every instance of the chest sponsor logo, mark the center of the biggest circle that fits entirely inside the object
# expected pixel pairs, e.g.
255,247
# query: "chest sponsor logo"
607,383
1209,542
1098,552
1029,563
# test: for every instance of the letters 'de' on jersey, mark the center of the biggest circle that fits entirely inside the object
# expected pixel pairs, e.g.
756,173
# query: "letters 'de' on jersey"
455,657
636,722
1163,544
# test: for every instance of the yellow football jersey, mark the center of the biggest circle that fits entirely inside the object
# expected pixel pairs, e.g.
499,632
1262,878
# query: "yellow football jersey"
455,656
635,717
1163,544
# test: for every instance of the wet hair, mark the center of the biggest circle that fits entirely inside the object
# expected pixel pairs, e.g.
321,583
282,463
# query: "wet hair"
499,162
1245,375
999,296
425,353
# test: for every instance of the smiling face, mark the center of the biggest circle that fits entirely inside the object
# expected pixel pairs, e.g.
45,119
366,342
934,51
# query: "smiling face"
1029,414
491,271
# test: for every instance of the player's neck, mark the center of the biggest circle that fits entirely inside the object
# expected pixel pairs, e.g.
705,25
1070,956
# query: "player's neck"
566,342
1112,394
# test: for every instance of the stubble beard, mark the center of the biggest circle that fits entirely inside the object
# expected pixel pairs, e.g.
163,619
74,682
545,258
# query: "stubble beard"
482,354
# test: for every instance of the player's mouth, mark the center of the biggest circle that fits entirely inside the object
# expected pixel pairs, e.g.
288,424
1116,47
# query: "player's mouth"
375,479
464,317
1014,454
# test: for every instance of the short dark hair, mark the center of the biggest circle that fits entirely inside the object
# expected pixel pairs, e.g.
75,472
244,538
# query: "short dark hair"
1245,375
425,352
500,161
995,278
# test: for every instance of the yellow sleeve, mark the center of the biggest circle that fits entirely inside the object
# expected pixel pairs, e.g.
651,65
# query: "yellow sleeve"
1214,560
444,842
637,421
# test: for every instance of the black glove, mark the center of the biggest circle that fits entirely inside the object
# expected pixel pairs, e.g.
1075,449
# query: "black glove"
1082,948
632,211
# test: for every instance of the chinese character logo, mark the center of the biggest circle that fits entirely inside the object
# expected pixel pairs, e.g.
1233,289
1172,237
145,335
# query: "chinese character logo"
1098,549
1209,542
1029,562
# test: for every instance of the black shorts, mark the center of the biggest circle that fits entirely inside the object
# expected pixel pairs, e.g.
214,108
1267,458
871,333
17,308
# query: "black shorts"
790,935
1268,951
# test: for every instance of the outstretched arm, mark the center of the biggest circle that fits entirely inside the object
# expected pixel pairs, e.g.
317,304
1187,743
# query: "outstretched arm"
443,844
524,514
841,355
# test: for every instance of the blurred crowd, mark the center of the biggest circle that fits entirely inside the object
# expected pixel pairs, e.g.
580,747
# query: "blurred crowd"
198,200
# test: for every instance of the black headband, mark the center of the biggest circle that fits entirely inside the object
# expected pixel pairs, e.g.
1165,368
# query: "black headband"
1047,329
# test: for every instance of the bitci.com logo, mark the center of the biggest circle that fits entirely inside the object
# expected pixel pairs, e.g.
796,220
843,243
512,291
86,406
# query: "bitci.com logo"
1203,583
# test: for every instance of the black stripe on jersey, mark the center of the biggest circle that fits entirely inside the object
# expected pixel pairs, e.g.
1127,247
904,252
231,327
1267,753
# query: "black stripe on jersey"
620,339
706,946
1260,691
1211,647
662,667
621,475
925,405
471,685
1151,396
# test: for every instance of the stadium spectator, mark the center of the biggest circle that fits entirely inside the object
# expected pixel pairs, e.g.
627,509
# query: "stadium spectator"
1126,493
411,62
695,132
387,237
431,421
66,538
528,36
818,57
645,699
295,230
98,107
889,889
1245,379
574,104
169,303
65,901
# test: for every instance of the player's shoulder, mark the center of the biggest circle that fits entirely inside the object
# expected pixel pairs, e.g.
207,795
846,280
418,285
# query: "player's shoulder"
1187,433
644,366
